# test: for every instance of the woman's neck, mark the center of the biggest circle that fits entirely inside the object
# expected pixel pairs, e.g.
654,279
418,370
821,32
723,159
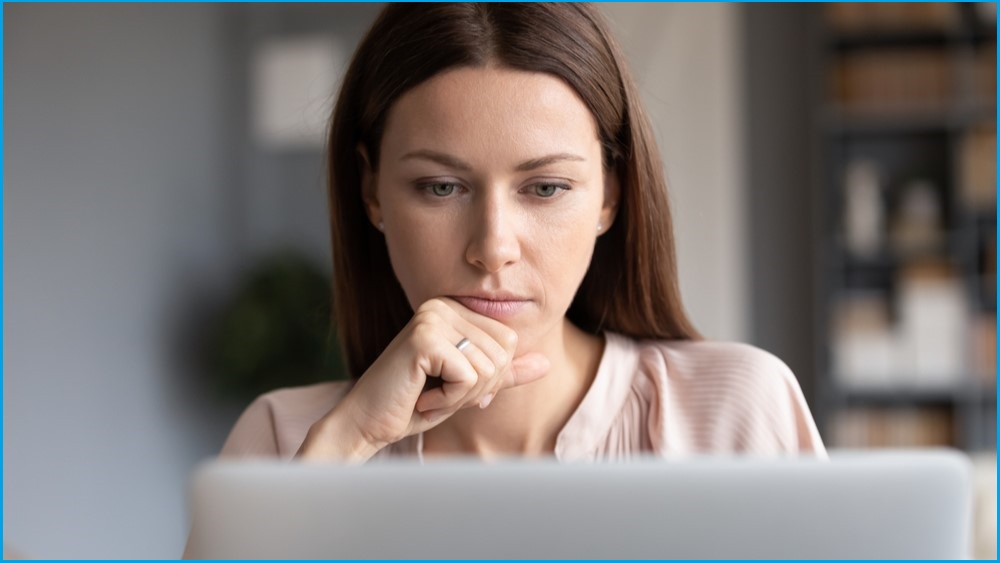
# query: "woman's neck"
526,420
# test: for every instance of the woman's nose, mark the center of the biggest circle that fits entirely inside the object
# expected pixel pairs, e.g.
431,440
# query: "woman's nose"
494,242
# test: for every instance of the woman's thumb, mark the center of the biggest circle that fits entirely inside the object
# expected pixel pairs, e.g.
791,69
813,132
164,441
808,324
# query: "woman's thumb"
527,368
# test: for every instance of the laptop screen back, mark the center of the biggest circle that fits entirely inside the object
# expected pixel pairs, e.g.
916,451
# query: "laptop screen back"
875,505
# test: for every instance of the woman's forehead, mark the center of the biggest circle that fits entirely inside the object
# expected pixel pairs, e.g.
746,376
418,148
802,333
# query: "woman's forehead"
491,109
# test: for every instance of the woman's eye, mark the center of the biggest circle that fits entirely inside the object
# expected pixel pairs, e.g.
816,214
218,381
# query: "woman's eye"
442,190
548,190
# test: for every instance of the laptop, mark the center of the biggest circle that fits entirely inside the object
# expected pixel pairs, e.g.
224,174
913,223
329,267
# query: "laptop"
889,504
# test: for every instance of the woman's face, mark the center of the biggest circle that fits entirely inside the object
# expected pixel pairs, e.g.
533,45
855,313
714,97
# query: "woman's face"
490,190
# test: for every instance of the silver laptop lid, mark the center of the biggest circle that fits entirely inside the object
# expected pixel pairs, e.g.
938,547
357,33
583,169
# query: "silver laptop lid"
858,505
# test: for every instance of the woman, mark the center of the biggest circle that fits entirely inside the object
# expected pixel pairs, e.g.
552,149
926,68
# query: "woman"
505,279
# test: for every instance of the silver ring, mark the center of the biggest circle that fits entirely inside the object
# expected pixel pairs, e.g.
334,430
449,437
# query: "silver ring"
462,344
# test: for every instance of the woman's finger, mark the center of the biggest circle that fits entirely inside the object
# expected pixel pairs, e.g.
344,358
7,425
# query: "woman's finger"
522,370
525,369
444,397
498,343
435,405
504,337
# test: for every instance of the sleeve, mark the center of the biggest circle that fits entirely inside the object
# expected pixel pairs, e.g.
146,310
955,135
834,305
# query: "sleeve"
776,416
254,434
728,398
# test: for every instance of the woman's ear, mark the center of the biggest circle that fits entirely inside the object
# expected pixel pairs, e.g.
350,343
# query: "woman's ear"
369,194
612,193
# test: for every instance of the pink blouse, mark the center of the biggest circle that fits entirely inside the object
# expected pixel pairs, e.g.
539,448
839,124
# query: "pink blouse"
663,398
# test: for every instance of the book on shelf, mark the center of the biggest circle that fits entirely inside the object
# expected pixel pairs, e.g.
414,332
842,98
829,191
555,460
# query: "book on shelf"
871,427
987,271
983,349
893,80
867,17
933,318
978,168
923,345
864,353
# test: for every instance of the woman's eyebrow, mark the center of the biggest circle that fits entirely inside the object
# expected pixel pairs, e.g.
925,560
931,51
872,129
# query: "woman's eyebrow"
546,160
458,164
438,157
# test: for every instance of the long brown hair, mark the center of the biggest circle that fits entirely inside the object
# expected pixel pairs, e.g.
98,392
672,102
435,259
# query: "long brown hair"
631,284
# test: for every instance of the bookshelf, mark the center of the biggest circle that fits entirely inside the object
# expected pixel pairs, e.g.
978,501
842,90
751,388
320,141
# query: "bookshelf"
906,284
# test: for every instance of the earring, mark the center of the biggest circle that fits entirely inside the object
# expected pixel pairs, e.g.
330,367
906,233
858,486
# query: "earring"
599,227
381,226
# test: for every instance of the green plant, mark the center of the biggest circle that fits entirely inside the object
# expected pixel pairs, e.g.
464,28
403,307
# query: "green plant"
276,331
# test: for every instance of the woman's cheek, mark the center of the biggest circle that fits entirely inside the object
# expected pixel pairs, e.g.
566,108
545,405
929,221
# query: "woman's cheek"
414,262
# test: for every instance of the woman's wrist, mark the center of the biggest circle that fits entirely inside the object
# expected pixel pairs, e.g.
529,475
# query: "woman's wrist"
338,437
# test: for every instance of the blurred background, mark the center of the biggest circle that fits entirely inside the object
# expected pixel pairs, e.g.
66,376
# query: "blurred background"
166,255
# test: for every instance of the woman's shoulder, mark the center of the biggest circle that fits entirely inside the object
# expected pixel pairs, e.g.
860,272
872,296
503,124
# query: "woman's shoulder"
276,423
705,361
726,395
727,372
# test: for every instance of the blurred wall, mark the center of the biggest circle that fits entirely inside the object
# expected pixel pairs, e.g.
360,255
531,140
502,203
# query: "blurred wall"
116,206
133,200
780,51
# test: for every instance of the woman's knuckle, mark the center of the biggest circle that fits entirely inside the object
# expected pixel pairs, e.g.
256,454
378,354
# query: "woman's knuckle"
500,362
433,306
509,339
424,332
425,316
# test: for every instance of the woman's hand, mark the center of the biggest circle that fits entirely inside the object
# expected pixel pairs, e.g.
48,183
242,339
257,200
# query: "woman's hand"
392,399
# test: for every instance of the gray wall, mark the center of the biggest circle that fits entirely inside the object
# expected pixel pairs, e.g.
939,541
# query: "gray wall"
133,202
116,229
781,80
282,199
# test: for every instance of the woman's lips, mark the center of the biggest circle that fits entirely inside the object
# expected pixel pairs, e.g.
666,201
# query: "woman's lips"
498,309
